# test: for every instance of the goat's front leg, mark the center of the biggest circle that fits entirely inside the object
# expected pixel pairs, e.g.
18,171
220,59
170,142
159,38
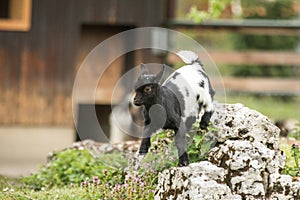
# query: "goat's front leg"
154,120
146,142
180,142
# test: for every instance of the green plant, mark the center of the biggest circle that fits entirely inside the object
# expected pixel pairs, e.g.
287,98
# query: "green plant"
200,144
75,166
215,9
295,132
106,176
163,152
294,154
77,174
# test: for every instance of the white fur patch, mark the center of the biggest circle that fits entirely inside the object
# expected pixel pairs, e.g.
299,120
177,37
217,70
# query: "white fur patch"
187,56
188,79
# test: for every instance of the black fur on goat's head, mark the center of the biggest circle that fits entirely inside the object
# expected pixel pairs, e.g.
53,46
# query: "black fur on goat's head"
146,87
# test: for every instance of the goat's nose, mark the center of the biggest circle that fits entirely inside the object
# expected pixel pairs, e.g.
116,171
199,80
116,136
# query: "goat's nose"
135,99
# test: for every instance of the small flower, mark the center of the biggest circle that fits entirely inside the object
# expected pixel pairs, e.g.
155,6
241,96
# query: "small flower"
137,179
105,172
142,184
5,189
84,184
96,180
128,177
117,187
71,184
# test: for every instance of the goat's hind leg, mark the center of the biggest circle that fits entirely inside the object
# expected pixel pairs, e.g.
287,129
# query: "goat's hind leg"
205,120
180,142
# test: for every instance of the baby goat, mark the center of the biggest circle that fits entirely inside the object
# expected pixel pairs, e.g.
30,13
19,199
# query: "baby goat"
183,98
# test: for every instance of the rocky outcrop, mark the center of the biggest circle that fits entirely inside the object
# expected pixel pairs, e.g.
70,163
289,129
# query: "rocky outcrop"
246,162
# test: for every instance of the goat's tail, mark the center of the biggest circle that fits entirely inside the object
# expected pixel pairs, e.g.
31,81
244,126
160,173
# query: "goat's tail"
188,57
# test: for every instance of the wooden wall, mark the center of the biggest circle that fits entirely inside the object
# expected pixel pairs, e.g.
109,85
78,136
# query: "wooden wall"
37,68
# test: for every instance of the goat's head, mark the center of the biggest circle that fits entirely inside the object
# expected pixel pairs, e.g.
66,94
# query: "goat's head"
146,87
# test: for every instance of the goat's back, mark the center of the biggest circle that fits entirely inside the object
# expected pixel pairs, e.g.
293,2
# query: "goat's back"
191,86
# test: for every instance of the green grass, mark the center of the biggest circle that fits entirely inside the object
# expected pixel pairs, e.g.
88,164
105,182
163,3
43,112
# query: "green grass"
58,193
276,108
76,192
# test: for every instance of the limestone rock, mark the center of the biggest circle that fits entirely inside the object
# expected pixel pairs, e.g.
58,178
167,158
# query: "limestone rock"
283,187
201,180
238,122
249,165
245,163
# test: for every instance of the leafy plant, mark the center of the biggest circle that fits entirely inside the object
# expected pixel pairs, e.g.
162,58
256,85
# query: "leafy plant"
292,166
200,144
290,169
295,133
75,166
215,9
106,176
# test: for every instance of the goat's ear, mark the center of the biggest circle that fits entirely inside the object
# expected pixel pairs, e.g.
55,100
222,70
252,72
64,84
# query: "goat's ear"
160,74
144,70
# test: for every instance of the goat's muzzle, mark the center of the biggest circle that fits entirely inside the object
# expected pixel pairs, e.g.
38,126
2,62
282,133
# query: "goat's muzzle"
137,102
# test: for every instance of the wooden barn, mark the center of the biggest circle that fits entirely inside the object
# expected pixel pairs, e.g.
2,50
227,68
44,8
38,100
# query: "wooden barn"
42,43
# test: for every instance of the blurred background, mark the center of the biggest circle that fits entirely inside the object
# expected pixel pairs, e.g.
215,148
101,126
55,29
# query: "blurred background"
255,44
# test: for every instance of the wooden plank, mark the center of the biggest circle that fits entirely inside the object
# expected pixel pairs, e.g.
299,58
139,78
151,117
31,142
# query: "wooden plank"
249,26
265,58
229,23
259,85
256,58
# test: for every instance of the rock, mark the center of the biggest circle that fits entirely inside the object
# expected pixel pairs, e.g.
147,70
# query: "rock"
96,148
249,165
245,163
196,181
284,187
238,122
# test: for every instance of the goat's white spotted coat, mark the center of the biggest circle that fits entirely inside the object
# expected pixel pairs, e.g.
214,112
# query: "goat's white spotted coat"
188,79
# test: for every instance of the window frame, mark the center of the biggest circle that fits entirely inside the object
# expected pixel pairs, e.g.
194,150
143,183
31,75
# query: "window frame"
20,16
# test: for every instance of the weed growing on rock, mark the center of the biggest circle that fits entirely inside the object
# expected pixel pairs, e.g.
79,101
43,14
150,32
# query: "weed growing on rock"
200,143
292,164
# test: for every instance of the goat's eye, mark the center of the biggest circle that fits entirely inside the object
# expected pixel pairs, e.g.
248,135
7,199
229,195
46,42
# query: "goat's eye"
147,89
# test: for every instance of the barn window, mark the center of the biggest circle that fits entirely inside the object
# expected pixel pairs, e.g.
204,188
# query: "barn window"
15,15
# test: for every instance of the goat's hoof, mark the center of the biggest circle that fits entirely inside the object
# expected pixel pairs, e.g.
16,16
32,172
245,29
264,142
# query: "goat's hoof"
143,152
203,126
183,160
183,163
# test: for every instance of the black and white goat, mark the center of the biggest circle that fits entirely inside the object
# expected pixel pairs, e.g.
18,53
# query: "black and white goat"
184,97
